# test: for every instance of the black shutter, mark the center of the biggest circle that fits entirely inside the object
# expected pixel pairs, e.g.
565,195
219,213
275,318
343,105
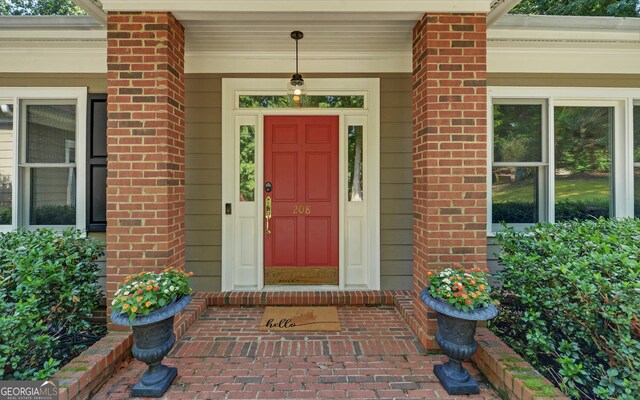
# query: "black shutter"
97,163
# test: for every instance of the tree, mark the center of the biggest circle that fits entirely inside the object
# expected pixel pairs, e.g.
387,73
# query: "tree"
611,8
39,7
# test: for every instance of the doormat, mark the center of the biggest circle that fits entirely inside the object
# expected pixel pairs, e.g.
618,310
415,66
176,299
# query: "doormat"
300,319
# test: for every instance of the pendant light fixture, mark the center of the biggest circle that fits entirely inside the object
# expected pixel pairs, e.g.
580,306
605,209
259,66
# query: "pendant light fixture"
296,89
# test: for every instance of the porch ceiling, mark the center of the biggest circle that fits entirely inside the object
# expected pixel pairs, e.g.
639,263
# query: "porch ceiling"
321,35
339,35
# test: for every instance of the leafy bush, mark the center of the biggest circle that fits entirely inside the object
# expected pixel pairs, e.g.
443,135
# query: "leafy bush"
48,288
571,303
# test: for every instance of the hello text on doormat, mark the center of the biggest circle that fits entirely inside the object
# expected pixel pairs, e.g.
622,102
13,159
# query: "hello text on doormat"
300,319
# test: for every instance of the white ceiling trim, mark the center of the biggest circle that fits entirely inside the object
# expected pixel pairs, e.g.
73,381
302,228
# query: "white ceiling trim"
368,62
312,6
53,59
563,60
295,16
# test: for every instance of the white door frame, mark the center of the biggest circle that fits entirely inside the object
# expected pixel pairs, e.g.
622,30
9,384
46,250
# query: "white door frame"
359,227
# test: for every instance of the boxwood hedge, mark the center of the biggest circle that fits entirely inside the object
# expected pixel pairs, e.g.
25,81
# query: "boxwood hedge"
48,289
571,304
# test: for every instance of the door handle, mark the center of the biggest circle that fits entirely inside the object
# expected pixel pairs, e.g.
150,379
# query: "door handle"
267,213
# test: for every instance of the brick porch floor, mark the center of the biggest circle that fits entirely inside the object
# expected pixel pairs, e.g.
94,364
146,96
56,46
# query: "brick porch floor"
223,355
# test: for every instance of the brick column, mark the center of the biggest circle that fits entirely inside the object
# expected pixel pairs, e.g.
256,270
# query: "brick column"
449,149
145,143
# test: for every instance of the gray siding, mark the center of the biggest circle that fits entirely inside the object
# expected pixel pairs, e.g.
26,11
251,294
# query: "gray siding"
203,183
396,204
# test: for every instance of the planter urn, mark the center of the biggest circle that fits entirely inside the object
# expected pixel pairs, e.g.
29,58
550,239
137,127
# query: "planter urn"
455,336
153,338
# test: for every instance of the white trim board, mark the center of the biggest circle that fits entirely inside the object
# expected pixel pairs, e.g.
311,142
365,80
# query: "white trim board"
242,231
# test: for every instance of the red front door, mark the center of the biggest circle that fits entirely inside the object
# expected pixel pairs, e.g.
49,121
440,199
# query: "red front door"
301,190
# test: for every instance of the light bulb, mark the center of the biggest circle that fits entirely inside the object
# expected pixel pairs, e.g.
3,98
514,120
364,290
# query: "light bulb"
296,98
297,91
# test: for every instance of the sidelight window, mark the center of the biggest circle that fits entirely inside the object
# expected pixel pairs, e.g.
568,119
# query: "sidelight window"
247,162
355,165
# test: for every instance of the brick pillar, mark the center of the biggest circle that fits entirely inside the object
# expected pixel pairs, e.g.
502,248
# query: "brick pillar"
145,143
449,149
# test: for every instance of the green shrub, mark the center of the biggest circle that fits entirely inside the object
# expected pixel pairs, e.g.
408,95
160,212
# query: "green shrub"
571,300
48,288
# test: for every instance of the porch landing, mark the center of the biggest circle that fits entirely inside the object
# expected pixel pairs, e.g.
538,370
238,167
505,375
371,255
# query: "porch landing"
223,355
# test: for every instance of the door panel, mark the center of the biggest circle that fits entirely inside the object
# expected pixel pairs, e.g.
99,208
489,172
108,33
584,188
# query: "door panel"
285,176
284,235
318,238
318,179
301,163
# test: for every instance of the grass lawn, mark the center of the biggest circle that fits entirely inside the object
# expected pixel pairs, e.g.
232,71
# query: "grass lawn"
583,189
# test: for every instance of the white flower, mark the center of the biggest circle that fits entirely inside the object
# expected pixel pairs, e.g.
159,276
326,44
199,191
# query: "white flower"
166,291
113,302
448,288
447,281
172,288
126,293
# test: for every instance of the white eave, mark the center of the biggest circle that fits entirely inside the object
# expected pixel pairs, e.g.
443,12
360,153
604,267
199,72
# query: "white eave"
202,7
333,43
50,44
561,44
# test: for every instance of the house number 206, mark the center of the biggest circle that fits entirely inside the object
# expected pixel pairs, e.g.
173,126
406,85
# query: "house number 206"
301,209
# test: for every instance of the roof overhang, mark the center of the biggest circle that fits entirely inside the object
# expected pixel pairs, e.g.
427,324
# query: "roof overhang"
516,44
180,8
562,44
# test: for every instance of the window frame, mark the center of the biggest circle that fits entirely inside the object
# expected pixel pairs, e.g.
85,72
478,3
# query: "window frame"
621,99
19,97
542,165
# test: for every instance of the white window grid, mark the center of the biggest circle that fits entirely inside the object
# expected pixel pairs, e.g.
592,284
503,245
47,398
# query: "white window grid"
18,96
621,99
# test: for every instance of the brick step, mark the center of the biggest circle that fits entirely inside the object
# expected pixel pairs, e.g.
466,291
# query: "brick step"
304,298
